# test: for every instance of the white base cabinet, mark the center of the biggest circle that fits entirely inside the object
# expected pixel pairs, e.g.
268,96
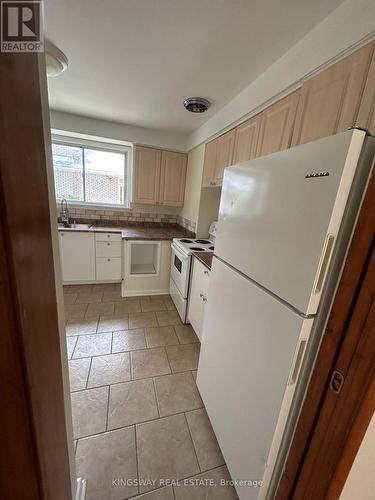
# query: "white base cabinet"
89,257
77,253
198,296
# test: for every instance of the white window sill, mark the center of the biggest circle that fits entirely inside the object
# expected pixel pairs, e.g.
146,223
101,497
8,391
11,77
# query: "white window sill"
96,206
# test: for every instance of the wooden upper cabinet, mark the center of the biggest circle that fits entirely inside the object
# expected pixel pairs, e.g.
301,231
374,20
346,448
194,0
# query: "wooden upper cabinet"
209,164
276,125
224,155
246,140
146,175
366,114
172,178
330,101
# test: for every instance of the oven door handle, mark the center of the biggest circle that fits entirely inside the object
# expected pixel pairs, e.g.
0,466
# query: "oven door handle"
178,253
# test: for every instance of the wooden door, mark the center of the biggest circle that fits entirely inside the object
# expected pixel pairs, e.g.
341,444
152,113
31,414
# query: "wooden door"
366,114
246,140
276,127
172,178
146,175
210,154
224,156
329,102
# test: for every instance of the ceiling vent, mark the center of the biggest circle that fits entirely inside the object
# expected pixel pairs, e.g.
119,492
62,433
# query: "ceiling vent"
196,104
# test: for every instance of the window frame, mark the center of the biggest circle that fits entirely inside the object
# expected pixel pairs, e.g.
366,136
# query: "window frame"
100,145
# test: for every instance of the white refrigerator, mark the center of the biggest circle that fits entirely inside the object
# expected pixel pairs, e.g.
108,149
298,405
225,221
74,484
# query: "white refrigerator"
285,223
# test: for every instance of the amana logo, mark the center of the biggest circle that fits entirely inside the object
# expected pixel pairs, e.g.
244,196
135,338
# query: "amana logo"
317,174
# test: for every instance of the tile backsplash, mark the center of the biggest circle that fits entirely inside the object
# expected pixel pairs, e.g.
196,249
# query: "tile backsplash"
187,223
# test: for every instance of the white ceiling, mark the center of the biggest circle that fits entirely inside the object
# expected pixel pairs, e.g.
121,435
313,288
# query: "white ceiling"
135,61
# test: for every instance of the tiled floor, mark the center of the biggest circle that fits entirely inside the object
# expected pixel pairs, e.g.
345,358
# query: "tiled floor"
138,418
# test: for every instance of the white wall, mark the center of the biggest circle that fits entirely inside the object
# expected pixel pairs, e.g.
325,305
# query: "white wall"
120,131
208,210
194,173
351,24
360,484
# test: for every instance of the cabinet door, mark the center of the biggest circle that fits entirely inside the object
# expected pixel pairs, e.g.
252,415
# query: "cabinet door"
172,178
366,115
329,102
276,127
77,253
198,296
108,268
246,140
146,175
225,147
209,164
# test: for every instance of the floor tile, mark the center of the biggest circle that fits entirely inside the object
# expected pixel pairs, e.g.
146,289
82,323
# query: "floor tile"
183,357
79,288
89,411
104,458
109,369
70,345
127,306
131,403
166,318
161,336
165,493
70,298
81,326
93,345
206,491
153,305
75,311
186,334
149,363
112,296
106,287
177,393
204,440
169,304
89,297
113,323
100,309
128,340
165,450
142,320
78,373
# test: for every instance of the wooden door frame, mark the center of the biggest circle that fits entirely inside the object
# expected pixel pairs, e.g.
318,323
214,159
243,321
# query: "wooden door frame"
331,426
34,451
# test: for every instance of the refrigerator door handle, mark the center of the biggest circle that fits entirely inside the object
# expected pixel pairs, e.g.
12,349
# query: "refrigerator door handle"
297,362
324,261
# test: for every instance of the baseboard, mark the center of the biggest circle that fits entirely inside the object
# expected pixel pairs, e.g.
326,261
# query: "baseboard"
81,489
140,293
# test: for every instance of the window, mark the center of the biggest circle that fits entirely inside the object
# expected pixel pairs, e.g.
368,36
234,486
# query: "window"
93,173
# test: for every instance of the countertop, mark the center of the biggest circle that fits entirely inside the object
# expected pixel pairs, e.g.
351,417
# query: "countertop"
138,232
205,258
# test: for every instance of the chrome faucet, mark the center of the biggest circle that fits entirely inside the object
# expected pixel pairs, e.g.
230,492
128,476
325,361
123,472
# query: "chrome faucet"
64,214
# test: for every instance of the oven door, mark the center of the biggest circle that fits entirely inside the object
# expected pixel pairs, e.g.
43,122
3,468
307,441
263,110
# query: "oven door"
180,270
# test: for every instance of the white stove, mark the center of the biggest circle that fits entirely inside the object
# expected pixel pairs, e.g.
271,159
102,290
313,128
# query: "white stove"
182,249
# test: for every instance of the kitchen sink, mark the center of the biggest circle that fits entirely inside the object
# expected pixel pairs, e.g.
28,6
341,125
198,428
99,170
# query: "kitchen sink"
74,226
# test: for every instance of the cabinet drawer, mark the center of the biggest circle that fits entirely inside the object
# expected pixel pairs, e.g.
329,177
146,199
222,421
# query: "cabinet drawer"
108,268
107,236
108,248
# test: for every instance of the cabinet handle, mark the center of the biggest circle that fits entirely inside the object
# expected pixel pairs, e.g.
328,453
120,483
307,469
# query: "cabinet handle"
62,234
108,244
204,299
109,260
201,295
108,235
205,272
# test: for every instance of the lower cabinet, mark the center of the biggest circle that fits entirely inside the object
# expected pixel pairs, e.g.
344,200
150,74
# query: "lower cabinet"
77,253
88,257
198,296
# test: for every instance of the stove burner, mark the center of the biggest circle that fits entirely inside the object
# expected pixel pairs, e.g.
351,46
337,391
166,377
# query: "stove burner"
186,241
197,249
211,248
203,242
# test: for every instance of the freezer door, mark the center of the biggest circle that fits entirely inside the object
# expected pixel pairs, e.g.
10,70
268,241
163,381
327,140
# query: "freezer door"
280,214
248,357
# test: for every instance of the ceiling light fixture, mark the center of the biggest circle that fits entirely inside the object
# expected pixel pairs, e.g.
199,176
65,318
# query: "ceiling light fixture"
196,104
56,61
